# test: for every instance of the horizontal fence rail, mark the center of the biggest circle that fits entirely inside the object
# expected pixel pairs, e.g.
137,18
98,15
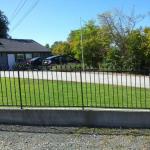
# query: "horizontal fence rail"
74,87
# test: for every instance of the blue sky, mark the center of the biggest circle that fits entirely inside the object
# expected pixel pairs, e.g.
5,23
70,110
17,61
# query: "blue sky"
52,20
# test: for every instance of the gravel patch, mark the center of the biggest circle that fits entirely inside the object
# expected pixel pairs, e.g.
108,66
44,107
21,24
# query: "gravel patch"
63,138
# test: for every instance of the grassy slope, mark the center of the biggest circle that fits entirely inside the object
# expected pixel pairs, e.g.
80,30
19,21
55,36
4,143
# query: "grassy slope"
60,93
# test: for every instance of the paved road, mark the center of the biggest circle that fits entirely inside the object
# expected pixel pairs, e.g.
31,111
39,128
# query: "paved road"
52,138
103,78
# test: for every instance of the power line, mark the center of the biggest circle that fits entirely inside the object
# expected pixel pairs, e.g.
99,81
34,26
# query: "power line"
25,15
18,9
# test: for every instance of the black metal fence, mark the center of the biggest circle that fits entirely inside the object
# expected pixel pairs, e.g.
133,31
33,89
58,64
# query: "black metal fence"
67,86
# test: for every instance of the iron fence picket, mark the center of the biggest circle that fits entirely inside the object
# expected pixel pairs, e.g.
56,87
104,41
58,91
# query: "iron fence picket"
68,86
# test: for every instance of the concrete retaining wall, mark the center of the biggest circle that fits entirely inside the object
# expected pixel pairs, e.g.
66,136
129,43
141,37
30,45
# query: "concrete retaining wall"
89,118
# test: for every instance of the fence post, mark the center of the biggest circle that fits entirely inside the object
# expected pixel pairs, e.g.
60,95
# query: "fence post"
19,84
81,90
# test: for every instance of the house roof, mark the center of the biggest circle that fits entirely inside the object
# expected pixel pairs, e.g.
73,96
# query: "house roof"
21,45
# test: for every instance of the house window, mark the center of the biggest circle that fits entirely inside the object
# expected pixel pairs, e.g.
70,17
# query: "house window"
3,54
36,54
20,57
28,56
44,55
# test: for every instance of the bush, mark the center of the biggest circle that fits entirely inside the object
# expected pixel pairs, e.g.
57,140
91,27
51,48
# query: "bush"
21,66
65,68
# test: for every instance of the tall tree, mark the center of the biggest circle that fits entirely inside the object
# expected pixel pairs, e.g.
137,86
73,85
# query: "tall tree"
47,46
3,25
119,25
61,48
147,43
127,45
136,45
95,43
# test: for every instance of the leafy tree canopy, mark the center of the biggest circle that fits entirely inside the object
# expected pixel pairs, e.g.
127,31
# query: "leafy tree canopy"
61,48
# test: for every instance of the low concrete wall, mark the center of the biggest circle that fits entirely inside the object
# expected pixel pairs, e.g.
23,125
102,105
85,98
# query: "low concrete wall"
89,118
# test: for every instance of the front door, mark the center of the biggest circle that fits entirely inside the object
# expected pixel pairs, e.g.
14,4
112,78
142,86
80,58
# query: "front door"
11,60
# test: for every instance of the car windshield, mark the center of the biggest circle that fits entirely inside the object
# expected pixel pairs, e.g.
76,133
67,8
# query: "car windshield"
51,57
33,59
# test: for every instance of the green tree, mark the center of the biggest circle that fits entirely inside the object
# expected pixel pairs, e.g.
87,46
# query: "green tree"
136,45
135,56
3,25
119,25
127,46
147,44
147,36
61,48
113,60
95,43
47,46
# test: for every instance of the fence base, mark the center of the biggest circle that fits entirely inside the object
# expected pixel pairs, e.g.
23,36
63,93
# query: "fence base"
68,117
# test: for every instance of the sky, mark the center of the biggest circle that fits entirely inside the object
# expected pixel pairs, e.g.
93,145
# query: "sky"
52,20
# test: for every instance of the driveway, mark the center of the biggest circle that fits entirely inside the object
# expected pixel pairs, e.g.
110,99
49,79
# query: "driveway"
86,77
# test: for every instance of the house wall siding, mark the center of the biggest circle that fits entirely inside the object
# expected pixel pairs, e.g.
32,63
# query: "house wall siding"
3,59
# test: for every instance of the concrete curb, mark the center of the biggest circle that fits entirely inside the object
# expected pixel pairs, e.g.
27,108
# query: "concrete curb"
68,117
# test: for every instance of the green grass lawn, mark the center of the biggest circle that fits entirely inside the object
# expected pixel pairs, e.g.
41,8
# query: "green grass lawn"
62,94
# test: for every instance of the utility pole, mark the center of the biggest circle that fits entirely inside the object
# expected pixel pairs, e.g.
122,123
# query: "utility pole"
82,48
